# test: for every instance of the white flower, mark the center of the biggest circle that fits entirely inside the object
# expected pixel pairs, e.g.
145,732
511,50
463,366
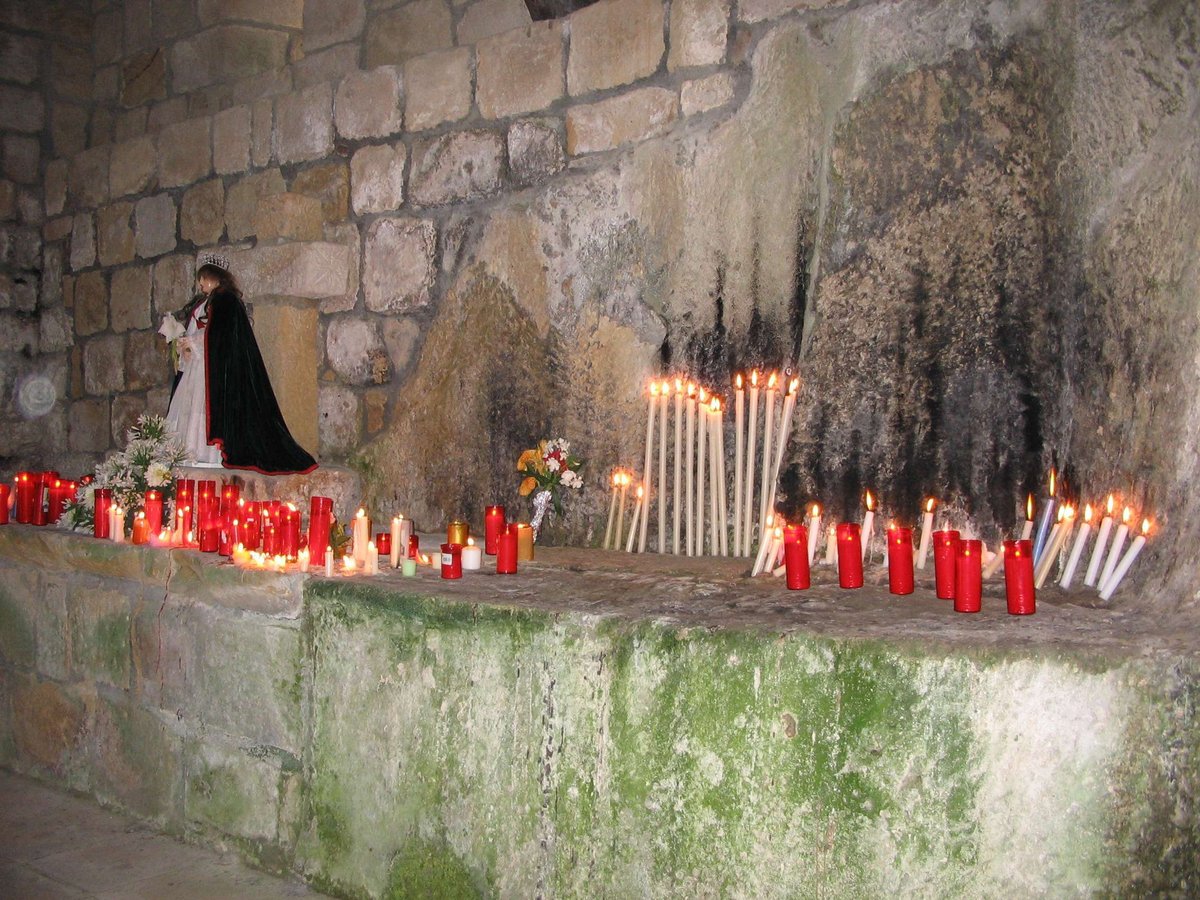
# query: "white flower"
157,475
171,328
571,479
552,464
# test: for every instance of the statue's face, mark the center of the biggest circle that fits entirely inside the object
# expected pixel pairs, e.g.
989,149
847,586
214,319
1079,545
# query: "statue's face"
207,283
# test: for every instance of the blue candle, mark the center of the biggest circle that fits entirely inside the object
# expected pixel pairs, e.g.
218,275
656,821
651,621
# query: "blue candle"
1043,529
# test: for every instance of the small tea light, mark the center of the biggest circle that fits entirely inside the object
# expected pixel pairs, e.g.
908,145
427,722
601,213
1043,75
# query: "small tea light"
472,556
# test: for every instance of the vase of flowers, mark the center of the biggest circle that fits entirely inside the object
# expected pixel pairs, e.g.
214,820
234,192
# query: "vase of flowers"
150,459
549,470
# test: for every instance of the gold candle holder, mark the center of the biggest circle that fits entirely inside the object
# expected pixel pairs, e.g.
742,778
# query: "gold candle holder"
524,541
457,533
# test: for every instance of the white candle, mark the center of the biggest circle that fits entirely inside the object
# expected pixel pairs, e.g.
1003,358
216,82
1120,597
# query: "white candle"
926,533
1126,561
752,437
1077,549
471,556
676,494
625,479
764,543
662,469
1054,545
785,424
814,526
714,512
739,421
868,525
303,558
329,562
689,477
768,434
1093,569
371,565
831,546
647,476
362,537
701,467
637,512
612,513
997,558
722,492
1027,530
1114,555
116,524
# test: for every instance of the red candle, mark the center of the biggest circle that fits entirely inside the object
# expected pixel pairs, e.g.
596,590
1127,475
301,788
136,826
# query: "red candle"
41,489
320,515
968,577
210,534
945,555
1018,577
185,492
58,498
289,531
506,553
101,503
900,560
452,560
183,518
493,525
383,543
795,557
26,484
230,495
414,547
228,531
250,529
141,529
152,505
5,499
849,547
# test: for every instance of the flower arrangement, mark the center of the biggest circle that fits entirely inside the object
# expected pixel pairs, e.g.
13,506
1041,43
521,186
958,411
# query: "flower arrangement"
150,460
548,468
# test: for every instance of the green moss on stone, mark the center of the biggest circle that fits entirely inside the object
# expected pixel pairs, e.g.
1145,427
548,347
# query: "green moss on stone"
111,649
426,871
17,642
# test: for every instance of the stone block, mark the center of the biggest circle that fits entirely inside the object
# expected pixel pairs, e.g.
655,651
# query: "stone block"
126,408
243,198
304,125
396,35
437,88
231,140
377,178
699,33
375,403
614,42
22,155
139,31
147,360
18,627
49,725
309,270
288,217
130,298
173,19
108,36
21,247
52,627
463,165
235,789
486,18
225,53
262,119
535,150
20,57
99,618
154,225
164,642
91,303
144,78
329,22
54,331
174,284
89,178
68,129
520,71
702,94
89,426
348,235
169,112
21,109
137,761
350,344
131,124
623,119
132,167
83,242
106,88
760,10
114,233
287,331
328,65
202,213
399,264
340,420
30,209
369,104
328,183
72,76
185,153
18,335
280,13
264,86
56,186
104,365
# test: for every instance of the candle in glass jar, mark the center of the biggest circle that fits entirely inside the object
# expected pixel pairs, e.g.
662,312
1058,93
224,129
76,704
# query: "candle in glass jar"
472,556
968,577
101,504
945,555
320,516
849,555
25,499
1018,578
152,505
141,529
494,522
457,532
795,557
451,560
900,560
383,543
408,567
524,541
506,552
5,499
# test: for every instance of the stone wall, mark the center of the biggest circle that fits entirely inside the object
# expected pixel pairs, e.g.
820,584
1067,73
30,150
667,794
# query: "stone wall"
430,743
464,232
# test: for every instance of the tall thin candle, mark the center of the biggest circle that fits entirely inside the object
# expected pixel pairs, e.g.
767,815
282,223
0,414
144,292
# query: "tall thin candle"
768,435
647,478
1043,532
701,467
714,461
785,424
637,514
689,477
814,529
1077,550
868,524
722,491
1097,559
662,468
676,494
1053,547
926,533
625,479
752,435
612,509
739,421
1126,561
1114,554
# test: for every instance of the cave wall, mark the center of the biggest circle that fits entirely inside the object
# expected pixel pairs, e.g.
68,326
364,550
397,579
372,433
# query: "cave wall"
969,227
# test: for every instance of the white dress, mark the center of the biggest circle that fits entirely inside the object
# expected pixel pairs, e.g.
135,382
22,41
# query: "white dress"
188,413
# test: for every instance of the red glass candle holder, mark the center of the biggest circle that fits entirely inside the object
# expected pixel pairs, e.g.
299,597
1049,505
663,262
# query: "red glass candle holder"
101,504
494,523
41,492
210,535
945,556
506,553
383,543
5,499
452,560
414,547
849,553
230,495
968,577
25,484
900,560
795,558
1018,577
152,506
320,517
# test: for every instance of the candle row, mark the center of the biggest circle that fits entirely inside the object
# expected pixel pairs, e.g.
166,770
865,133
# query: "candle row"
36,498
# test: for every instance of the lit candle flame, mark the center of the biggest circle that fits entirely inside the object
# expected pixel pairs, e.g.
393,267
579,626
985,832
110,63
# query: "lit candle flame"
816,510
737,381
794,386
1087,513
929,505
770,519
1110,504
653,388
361,514
470,542
870,501
641,491
754,377
1145,526
666,388
1053,476
1029,508
1127,515
779,534
679,385
771,382
691,389
703,396
715,405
